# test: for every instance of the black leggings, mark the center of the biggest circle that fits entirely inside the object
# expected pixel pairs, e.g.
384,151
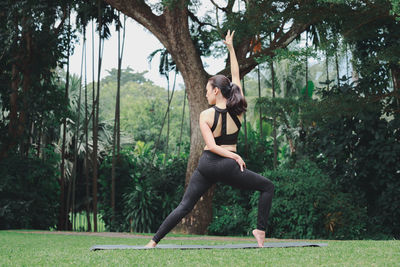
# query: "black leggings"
213,168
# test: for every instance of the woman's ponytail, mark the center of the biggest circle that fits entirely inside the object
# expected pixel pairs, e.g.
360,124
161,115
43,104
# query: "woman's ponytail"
236,103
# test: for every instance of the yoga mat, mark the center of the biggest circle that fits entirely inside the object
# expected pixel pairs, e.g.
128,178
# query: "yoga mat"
227,246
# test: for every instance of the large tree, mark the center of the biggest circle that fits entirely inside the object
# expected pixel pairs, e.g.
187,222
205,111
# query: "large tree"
187,37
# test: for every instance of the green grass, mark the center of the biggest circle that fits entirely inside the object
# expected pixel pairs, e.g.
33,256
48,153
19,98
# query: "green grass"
31,249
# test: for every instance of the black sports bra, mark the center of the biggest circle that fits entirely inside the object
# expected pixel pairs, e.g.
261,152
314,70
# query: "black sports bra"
225,139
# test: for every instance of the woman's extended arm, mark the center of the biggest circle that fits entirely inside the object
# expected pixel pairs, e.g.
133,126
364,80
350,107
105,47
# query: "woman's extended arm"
213,147
234,63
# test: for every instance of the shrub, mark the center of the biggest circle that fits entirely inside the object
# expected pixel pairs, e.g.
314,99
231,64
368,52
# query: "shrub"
29,192
230,211
147,192
229,220
308,205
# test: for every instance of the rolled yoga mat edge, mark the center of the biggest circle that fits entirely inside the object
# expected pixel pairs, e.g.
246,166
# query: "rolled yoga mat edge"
227,246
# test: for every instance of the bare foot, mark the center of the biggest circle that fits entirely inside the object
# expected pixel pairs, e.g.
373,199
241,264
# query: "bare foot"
260,237
151,244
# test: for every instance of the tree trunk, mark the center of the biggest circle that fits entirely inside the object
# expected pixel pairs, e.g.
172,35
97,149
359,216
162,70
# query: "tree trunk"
17,125
86,160
96,123
26,84
183,116
68,207
306,91
168,122
30,136
174,34
24,113
347,62
337,68
327,69
39,138
259,96
395,69
198,220
12,126
274,121
76,147
116,133
168,115
94,150
15,81
63,214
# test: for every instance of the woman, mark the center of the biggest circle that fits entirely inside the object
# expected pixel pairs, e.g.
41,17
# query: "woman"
220,126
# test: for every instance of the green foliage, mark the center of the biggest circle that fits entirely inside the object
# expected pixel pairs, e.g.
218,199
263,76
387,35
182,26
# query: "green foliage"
396,8
145,193
308,204
127,75
310,90
29,192
230,211
360,150
229,220
32,47
356,126
259,154
89,11
142,211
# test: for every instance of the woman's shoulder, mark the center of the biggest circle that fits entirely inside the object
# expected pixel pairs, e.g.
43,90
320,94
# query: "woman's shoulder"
208,111
207,114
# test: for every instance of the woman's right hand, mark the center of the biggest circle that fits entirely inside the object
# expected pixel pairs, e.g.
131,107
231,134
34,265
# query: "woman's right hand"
229,39
240,161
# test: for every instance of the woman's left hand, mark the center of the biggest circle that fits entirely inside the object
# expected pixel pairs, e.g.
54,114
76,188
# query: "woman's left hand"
240,161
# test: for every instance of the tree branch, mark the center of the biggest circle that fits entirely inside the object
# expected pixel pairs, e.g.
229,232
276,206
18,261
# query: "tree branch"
229,6
247,64
142,13
347,33
57,29
196,19
217,6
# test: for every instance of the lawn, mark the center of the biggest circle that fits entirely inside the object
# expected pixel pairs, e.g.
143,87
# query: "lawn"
33,249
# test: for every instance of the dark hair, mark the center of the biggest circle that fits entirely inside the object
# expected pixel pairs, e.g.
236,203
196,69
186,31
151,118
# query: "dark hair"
236,103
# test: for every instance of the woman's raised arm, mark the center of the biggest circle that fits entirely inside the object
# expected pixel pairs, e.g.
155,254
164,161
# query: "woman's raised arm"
234,63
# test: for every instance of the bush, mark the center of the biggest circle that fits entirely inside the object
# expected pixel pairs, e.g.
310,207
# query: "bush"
260,151
145,192
229,220
29,192
230,211
355,137
308,205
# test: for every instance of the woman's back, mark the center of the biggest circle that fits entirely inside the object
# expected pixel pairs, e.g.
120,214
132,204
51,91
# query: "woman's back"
224,126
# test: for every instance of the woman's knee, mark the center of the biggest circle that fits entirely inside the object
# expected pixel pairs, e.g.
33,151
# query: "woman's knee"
185,206
272,189
269,186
